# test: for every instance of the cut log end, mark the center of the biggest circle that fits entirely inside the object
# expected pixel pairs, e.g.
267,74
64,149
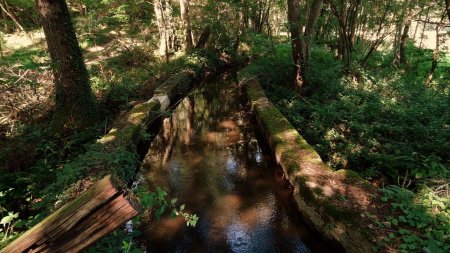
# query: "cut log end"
103,208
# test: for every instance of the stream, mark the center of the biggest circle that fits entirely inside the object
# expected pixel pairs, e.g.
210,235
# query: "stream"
210,156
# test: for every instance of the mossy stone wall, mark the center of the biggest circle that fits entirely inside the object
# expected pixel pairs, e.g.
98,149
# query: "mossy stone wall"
331,202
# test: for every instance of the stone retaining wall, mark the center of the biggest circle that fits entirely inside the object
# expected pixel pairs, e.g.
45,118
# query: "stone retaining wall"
332,202
127,133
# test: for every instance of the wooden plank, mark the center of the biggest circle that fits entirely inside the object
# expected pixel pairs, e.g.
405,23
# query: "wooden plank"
75,226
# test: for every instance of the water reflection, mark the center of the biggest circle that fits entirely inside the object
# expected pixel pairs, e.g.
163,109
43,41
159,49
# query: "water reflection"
208,156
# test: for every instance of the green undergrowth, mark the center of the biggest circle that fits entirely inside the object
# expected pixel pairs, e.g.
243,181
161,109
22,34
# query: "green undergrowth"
37,166
418,222
156,204
382,122
376,122
34,176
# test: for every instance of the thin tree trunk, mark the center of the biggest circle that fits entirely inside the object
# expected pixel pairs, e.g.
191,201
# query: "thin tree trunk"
403,26
4,9
423,28
184,9
1,45
347,20
163,13
313,15
418,23
5,24
170,27
266,16
352,23
401,55
240,17
75,106
447,6
294,28
201,43
379,39
159,14
434,60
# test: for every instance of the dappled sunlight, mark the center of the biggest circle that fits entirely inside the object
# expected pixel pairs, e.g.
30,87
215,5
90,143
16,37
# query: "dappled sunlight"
111,136
95,49
353,108
16,41
221,173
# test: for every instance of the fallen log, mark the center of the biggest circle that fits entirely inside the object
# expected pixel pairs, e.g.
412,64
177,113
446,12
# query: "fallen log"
94,214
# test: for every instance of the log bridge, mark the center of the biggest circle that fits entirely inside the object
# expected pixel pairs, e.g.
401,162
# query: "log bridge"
104,207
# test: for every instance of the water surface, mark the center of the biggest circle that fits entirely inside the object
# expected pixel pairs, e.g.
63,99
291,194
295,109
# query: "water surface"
209,156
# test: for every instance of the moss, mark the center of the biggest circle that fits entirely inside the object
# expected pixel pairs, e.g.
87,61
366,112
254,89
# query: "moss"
354,178
318,191
292,168
289,158
140,111
275,122
350,174
306,193
338,213
254,91
177,84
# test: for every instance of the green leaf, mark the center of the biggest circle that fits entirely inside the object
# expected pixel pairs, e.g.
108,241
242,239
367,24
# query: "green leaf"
394,221
9,218
173,201
419,175
182,207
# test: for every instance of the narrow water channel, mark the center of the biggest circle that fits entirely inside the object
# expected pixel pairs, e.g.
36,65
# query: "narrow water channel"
209,156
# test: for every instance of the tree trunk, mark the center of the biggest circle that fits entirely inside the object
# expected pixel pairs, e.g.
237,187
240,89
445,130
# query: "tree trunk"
75,105
352,18
184,9
447,6
401,55
237,42
423,28
1,45
434,60
163,13
346,13
313,15
419,14
5,24
159,14
293,8
8,12
201,43
379,36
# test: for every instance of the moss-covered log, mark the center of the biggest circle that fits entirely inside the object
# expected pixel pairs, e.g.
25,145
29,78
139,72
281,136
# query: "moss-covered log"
75,226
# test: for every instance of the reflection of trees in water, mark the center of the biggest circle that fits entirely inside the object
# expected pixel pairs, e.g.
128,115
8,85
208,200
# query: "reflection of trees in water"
207,155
